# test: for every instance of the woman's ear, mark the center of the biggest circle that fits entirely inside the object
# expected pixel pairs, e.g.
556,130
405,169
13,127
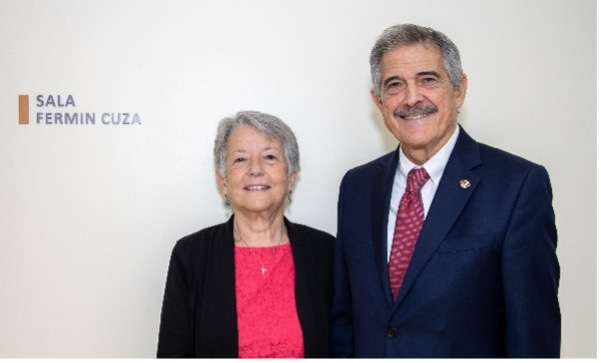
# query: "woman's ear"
221,182
292,181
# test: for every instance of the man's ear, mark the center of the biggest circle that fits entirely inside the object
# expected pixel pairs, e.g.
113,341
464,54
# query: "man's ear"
461,91
377,100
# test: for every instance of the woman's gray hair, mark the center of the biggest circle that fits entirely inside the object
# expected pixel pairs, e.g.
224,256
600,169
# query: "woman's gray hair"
409,34
268,125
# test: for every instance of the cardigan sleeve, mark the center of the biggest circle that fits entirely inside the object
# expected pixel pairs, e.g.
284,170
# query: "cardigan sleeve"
175,332
198,318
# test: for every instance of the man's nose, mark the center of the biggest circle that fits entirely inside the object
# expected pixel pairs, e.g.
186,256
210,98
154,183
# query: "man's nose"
413,95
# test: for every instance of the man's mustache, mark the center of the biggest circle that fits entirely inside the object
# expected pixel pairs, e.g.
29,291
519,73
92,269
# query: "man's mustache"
416,110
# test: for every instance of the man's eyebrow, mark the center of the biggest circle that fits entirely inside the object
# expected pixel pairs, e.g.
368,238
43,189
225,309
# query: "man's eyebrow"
430,73
419,74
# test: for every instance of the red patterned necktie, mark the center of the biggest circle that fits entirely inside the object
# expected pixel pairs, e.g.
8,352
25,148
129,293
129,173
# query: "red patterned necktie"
409,222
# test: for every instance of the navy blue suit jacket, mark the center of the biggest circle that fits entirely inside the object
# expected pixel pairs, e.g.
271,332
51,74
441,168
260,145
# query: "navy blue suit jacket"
484,276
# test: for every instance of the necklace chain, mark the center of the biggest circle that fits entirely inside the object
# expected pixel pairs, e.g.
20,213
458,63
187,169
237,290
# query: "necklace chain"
263,268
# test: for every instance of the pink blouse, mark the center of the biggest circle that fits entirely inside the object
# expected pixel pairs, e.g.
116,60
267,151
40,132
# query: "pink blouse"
268,325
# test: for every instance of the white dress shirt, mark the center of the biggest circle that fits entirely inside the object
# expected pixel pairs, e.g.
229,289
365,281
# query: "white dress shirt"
435,167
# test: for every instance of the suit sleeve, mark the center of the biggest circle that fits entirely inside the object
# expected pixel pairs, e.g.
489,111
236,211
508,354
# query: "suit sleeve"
175,332
341,342
530,271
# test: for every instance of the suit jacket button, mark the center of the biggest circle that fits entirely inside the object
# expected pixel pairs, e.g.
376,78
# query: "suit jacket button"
392,332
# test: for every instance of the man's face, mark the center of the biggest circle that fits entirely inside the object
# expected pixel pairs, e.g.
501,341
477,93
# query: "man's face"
418,102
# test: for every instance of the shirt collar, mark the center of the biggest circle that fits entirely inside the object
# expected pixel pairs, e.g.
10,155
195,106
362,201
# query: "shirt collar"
435,166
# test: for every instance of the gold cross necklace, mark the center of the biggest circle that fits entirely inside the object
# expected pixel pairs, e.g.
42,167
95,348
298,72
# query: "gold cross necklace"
263,264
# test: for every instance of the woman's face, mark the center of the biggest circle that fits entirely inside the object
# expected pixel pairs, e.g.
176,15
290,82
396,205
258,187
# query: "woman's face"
256,172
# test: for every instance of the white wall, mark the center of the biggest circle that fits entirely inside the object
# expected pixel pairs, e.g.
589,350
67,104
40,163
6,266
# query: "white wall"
89,213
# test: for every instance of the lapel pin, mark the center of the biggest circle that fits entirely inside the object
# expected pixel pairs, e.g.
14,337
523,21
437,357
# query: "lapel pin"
464,183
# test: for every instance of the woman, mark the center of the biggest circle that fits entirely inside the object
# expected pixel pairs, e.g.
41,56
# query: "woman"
258,285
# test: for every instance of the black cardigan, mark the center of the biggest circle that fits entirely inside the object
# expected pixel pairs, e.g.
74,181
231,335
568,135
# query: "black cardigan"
198,317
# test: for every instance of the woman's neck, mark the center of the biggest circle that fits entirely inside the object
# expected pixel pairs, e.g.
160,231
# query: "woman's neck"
259,232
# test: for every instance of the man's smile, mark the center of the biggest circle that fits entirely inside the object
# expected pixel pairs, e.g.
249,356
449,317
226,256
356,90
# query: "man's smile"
416,112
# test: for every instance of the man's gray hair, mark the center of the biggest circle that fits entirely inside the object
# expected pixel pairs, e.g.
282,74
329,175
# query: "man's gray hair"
268,125
409,34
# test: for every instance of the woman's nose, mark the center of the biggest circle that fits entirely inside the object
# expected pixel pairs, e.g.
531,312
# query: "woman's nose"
255,167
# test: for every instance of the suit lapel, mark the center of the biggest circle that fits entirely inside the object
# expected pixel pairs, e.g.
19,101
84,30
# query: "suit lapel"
450,199
382,190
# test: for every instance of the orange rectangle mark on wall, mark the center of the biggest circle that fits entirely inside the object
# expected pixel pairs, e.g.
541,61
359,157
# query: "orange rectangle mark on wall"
23,109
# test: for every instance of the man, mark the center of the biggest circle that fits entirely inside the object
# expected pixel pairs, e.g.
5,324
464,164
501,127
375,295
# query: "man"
457,257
